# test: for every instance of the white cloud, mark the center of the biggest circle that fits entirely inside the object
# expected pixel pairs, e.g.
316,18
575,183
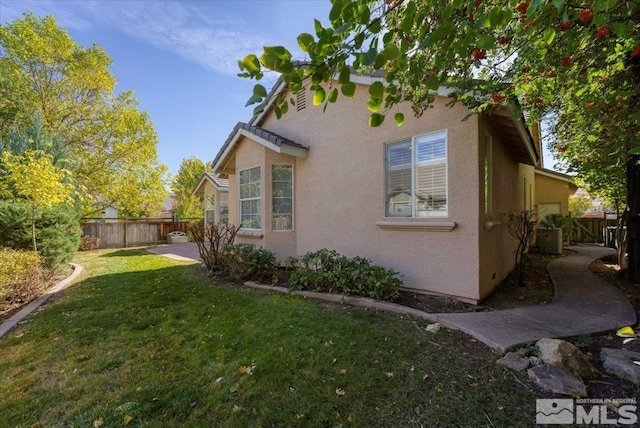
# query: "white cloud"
212,38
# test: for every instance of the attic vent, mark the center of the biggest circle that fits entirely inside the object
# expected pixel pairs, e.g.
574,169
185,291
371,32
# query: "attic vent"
301,100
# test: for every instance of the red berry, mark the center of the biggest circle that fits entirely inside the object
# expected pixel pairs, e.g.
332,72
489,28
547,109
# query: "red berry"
477,3
522,7
562,149
498,98
601,32
479,54
566,25
585,15
590,105
504,40
566,62
636,51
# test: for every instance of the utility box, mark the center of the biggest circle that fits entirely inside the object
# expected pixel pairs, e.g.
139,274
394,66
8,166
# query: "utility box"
550,241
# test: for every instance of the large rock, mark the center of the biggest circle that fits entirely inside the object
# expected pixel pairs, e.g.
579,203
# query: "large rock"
514,361
619,362
563,354
557,380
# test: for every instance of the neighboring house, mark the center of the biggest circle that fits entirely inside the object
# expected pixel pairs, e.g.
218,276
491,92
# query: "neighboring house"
216,197
552,192
425,198
110,214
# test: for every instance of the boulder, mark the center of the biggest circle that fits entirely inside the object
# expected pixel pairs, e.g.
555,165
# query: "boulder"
513,361
563,354
619,362
557,380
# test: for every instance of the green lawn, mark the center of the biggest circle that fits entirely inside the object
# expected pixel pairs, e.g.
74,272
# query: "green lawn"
142,340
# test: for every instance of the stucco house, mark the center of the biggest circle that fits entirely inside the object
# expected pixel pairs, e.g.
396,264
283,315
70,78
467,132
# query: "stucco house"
426,198
215,190
552,192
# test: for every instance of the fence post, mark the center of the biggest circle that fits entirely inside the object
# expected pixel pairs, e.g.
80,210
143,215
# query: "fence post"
125,232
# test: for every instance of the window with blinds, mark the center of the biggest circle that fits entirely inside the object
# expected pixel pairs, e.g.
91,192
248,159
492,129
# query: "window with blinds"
250,210
416,177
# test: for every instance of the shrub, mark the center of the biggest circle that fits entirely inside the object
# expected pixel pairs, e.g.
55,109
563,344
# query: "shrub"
245,263
57,232
212,240
328,271
20,276
557,221
89,243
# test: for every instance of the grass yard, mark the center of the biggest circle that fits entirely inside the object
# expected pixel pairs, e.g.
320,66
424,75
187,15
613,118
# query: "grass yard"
142,340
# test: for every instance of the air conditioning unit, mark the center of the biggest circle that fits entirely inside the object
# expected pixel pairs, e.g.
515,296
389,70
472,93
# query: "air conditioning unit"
550,241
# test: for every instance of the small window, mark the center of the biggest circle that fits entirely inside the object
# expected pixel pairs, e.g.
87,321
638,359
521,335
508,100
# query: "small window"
282,197
416,177
223,207
250,190
488,176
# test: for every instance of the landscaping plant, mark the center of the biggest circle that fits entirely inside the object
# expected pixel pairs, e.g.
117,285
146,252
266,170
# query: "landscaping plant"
20,277
211,240
243,262
328,271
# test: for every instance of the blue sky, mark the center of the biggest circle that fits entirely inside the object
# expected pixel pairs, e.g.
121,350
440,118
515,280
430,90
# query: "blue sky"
180,57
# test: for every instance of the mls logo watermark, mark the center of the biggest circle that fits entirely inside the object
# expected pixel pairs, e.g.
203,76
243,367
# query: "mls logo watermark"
587,411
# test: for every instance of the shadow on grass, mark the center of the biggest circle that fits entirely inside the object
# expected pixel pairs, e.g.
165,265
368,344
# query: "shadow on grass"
129,252
154,340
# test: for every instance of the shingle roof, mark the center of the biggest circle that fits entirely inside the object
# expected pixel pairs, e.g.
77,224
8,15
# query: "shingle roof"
219,182
269,136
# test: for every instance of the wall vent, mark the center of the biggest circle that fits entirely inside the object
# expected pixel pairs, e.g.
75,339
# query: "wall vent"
301,100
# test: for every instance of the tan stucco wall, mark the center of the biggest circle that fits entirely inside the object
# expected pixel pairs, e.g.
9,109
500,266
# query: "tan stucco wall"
552,190
496,246
340,192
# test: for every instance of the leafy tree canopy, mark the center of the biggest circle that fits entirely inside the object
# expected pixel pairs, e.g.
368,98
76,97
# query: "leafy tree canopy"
190,173
112,144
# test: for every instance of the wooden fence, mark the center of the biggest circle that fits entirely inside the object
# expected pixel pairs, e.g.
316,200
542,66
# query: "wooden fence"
119,233
593,230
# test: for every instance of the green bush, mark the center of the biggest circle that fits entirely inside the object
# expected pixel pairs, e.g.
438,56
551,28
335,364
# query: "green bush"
57,231
556,221
328,271
20,276
245,263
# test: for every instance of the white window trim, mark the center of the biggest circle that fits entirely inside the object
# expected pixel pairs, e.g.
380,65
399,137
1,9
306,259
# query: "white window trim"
434,218
293,195
240,200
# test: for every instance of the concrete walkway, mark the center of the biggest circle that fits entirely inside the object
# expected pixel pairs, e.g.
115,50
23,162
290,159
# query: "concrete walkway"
583,304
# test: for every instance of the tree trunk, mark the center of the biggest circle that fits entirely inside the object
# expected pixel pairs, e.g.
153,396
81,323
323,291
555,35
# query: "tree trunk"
633,218
33,231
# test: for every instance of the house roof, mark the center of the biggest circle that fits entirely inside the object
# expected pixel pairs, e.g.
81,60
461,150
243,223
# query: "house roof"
271,140
222,184
558,176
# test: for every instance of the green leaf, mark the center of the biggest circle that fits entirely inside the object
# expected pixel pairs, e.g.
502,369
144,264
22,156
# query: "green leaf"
376,90
250,63
376,120
369,57
432,83
391,52
364,14
399,117
318,27
487,41
304,41
375,26
318,96
495,17
253,100
336,10
260,91
374,104
559,4
549,35
333,95
348,89
345,75
278,112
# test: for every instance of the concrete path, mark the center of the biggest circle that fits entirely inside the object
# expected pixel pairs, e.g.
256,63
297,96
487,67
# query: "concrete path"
583,304
22,314
187,251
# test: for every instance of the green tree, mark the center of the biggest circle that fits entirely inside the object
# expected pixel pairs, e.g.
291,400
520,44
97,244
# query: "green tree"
578,61
111,143
579,204
34,178
188,205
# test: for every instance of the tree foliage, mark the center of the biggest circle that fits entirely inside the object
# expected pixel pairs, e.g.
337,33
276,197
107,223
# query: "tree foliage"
111,142
188,205
577,62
